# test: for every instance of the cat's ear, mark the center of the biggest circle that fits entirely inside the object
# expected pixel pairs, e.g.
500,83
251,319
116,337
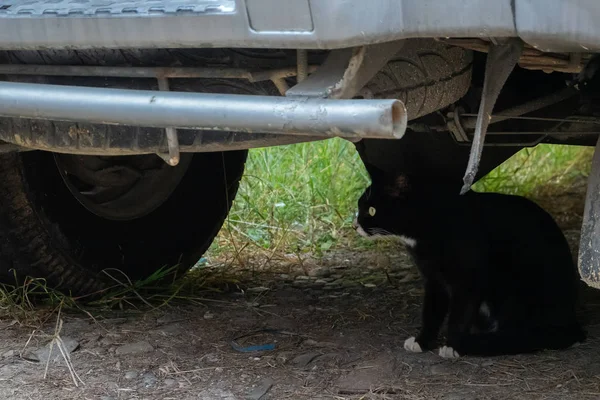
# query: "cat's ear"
376,174
398,185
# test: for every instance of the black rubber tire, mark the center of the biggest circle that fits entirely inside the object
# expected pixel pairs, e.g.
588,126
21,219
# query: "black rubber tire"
46,233
426,75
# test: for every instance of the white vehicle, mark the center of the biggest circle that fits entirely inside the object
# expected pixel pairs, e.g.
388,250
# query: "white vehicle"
125,124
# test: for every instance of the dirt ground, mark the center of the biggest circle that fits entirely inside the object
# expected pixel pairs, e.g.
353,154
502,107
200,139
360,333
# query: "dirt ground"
337,327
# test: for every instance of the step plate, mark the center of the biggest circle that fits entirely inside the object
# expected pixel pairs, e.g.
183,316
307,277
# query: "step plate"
77,8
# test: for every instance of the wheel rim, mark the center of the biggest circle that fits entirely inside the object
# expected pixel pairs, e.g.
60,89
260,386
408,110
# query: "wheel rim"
120,188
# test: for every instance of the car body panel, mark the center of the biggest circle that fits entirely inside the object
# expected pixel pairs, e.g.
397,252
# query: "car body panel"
550,25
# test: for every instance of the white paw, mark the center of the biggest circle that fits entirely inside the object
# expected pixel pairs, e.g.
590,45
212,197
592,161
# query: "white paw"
448,352
411,345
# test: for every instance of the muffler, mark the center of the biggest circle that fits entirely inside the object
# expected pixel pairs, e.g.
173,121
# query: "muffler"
352,119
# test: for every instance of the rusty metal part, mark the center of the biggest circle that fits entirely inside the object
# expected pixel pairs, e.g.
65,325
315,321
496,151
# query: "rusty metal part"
531,58
113,140
277,76
501,60
302,64
455,126
149,72
281,85
345,72
589,245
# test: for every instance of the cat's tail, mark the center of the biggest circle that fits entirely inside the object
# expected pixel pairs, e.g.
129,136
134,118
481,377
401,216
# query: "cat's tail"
518,341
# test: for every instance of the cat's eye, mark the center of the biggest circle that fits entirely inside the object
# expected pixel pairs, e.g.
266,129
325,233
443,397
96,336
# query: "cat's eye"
372,211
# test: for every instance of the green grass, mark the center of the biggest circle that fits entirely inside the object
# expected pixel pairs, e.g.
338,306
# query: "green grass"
302,197
543,170
296,197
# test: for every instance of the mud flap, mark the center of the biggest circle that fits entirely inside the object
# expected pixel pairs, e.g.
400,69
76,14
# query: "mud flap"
589,245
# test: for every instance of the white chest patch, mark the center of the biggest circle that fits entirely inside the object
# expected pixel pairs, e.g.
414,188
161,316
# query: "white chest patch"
361,231
410,242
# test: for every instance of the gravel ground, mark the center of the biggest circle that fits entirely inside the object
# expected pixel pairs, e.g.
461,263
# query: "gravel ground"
336,326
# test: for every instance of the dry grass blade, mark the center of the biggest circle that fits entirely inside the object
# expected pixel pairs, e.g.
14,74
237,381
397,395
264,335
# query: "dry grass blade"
58,342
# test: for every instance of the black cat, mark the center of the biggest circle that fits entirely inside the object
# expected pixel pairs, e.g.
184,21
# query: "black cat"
498,265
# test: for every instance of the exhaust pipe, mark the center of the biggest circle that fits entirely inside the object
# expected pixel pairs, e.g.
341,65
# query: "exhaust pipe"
351,119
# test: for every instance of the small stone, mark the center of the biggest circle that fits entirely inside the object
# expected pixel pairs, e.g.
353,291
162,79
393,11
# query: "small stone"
212,357
9,353
149,379
168,318
208,315
106,341
114,321
370,285
218,369
257,289
302,278
303,360
169,382
134,348
131,374
321,272
440,369
408,278
260,389
43,354
382,261
284,276
320,282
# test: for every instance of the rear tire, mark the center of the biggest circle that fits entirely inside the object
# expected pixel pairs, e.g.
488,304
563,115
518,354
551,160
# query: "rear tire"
47,229
46,232
427,76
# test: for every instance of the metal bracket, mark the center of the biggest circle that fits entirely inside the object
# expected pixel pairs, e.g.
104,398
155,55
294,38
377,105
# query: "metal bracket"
455,126
172,158
501,60
346,71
